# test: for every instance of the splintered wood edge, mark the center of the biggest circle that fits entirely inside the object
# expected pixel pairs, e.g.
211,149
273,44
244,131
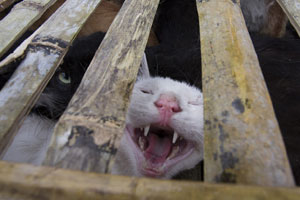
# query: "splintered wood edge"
45,53
5,4
21,17
243,143
22,181
292,10
97,111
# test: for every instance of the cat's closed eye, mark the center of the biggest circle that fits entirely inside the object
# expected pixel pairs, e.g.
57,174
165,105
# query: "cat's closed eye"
145,91
195,102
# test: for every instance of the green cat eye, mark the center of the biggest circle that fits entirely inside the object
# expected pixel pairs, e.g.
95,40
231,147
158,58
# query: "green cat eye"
64,77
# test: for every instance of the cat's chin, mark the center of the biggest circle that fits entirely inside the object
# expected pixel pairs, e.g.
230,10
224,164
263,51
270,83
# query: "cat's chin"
157,149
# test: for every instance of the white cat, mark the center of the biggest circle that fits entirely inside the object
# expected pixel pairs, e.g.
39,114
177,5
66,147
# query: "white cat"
164,129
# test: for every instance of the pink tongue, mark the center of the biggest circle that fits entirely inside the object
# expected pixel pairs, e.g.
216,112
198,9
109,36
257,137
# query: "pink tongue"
158,149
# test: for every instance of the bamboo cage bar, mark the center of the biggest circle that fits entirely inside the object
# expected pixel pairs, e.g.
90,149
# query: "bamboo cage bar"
20,181
292,10
21,17
5,4
243,143
45,52
88,134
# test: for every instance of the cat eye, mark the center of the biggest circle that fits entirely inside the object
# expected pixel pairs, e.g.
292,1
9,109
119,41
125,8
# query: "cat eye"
64,77
147,91
194,103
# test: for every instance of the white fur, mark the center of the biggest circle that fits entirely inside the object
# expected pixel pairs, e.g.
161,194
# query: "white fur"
142,111
31,141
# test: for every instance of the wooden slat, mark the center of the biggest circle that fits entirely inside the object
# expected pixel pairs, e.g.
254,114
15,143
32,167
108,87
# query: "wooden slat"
44,54
21,17
292,10
35,183
243,143
5,4
87,135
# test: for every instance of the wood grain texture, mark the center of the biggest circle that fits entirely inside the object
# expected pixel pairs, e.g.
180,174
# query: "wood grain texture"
21,17
243,143
20,181
44,54
292,10
88,134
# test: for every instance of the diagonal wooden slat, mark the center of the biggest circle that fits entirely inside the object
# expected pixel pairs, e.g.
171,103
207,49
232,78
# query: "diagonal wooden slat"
88,134
243,143
20,181
292,10
21,17
44,54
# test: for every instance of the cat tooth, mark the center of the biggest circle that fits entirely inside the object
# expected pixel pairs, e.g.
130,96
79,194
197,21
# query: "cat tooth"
174,152
146,130
141,143
175,136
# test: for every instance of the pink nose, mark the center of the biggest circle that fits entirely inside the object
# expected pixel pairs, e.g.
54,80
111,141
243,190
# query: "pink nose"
167,105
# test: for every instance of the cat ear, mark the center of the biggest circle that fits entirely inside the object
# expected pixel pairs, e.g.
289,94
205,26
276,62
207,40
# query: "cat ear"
143,70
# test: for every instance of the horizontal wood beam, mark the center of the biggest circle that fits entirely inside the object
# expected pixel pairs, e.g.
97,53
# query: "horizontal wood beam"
21,181
243,143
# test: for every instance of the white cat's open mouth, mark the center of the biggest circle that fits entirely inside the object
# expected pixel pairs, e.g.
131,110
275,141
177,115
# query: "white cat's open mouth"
158,148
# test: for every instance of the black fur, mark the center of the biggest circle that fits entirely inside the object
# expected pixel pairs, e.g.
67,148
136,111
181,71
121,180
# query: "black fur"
280,64
74,66
177,28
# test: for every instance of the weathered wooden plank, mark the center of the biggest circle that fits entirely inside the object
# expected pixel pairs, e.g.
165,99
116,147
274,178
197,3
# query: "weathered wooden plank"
292,10
20,181
5,4
23,15
243,143
87,135
44,54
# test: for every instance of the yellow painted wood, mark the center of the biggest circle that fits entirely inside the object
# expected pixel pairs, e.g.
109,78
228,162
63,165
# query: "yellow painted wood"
243,143
88,134
45,52
292,10
5,3
26,182
21,17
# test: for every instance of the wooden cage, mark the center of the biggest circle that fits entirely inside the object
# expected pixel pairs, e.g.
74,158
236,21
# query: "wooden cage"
227,57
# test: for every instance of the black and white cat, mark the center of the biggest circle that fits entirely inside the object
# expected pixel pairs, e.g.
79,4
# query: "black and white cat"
164,124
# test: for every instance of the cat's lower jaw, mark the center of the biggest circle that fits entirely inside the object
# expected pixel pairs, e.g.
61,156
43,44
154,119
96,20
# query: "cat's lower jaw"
155,154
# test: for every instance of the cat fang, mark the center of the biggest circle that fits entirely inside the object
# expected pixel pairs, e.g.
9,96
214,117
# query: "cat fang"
161,148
